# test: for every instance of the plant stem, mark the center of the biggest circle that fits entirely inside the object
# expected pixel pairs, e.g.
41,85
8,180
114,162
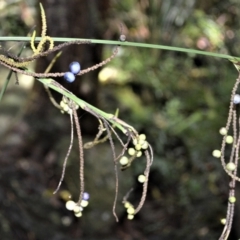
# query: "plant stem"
133,44
3,90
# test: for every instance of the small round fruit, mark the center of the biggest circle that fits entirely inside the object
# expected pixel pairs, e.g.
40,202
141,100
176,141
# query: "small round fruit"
223,131
75,67
86,196
145,145
232,199
84,203
231,166
141,178
69,77
142,136
216,153
236,99
70,205
131,151
122,38
130,210
130,216
123,160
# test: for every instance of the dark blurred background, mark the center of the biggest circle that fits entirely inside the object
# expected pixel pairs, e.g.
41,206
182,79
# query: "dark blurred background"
179,100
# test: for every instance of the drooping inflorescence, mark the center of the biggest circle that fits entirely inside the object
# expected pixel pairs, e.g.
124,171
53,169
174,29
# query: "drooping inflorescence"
230,141
140,148
108,123
78,208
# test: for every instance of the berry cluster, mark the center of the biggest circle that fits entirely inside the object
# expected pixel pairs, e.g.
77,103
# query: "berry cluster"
140,144
76,208
64,105
74,68
130,210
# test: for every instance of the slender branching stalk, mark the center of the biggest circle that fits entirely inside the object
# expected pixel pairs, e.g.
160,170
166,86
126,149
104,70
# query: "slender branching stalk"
108,123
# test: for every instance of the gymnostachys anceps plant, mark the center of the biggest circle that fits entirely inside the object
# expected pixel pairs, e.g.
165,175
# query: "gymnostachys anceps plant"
109,122
70,103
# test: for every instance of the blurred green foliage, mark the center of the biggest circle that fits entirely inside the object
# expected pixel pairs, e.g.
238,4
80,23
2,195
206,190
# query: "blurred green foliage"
180,101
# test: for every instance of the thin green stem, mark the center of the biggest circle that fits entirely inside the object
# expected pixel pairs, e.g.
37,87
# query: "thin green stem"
3,90
132,44
84,105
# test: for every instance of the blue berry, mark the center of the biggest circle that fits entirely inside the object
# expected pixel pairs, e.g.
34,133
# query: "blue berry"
75,67
86,196
69,77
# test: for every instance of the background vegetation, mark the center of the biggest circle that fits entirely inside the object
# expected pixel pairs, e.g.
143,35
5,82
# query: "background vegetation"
179,100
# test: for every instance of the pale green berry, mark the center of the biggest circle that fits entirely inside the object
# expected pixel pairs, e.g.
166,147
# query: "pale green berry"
123,160
142,137
223,131
223,221
130,210
130,216
77,209
141,141
139,154
65,108
131,151
231,166
145,145
70,205
79,214
138,147
84,203
135,141
229,139
127,205
62,104
216,153
232,199
141,178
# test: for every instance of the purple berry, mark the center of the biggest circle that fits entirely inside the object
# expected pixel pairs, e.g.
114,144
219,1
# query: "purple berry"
86,196
69,77
75,67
